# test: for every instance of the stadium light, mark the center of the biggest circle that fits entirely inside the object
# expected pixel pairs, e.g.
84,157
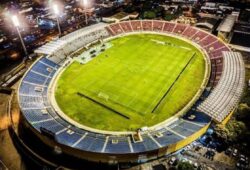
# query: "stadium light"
16,23
85,4
57,12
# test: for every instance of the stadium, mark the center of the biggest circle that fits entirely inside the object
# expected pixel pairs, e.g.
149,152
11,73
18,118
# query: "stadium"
131,91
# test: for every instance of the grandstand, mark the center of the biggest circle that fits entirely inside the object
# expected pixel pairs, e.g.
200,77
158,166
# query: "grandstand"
228,91
218,99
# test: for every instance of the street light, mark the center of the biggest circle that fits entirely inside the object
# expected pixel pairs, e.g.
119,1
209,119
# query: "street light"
57,12
16,23
85,4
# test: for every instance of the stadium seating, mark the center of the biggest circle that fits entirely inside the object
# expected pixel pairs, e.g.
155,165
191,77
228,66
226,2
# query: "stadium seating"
158,26
59,49
126,26
227,93
136,25
168,27
179,29
147,26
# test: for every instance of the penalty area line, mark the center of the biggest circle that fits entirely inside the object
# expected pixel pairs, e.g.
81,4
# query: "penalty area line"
184,68
109,108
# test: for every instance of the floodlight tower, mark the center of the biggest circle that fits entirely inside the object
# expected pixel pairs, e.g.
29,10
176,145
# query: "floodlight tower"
57,12
85,4
16,23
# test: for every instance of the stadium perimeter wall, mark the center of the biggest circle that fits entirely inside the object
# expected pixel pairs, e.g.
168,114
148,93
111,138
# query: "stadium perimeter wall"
114,158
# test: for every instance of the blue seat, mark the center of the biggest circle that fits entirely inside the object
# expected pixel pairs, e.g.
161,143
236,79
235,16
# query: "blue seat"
97,145
167,138
35,115
29,89
122,146
182,131
138,147
34,78
85,143
149,143
49,62
67,139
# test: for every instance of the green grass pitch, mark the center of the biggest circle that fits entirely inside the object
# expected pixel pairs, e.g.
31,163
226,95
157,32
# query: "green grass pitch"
137,82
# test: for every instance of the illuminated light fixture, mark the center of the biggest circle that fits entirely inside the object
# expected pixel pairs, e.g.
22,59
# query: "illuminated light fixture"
56,9
16,23
85,4
57,12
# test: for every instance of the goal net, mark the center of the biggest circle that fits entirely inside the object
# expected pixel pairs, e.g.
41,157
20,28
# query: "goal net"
103,96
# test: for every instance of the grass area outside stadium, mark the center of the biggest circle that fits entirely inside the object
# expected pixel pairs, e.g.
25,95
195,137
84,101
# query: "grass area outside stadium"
140,77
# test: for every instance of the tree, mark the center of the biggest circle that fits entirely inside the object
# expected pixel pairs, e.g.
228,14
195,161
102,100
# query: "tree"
129,9
185,166
232,132
159,11
147,5
149,14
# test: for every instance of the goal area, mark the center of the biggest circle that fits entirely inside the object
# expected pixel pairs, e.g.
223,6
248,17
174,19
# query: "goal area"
103,96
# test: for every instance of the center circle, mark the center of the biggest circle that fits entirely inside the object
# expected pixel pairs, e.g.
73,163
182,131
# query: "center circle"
130,82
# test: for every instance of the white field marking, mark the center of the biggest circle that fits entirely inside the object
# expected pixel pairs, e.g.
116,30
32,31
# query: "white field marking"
124,90
186,48
158,95
164,43
158,42
156,98
132,100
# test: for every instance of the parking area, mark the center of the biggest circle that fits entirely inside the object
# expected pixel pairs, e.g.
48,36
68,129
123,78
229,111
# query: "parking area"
200,157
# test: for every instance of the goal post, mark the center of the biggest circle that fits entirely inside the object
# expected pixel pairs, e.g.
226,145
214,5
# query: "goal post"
103,96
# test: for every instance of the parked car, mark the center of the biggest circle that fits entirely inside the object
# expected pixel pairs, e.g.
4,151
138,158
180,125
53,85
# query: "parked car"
235,152
173,161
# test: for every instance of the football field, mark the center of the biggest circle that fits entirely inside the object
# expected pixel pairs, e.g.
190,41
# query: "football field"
140,81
